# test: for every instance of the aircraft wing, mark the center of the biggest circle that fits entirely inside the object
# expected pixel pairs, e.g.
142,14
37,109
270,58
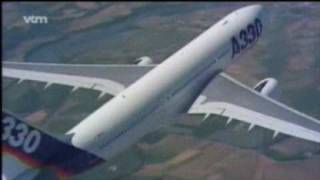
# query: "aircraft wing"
227,97
110,79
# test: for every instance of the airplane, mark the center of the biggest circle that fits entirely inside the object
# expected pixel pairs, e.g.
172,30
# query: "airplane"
191,81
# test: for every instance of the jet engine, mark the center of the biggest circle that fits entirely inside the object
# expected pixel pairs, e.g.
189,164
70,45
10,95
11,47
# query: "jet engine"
142,61
268,87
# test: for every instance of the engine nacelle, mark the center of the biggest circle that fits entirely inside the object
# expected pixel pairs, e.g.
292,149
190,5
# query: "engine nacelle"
142,61
268,87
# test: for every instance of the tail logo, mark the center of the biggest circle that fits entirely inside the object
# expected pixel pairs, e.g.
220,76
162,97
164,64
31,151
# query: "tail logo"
19,135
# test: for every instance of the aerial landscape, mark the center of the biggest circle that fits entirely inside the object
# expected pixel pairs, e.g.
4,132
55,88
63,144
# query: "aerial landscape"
119,33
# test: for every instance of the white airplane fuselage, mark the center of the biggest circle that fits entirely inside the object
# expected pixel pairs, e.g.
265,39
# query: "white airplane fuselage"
169,89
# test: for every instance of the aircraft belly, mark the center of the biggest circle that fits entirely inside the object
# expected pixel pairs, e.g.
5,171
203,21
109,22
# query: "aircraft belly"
164,115
182,100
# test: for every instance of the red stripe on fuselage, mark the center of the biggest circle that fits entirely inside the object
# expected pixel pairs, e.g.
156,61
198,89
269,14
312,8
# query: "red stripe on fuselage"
33,162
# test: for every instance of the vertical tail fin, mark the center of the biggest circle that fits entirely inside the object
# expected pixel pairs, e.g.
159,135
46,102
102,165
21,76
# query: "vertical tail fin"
27,150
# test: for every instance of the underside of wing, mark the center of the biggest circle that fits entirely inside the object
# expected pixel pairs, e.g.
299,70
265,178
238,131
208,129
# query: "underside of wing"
110,79
227,97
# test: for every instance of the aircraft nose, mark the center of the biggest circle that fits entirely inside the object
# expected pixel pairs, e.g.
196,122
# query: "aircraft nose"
249,13
252,10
